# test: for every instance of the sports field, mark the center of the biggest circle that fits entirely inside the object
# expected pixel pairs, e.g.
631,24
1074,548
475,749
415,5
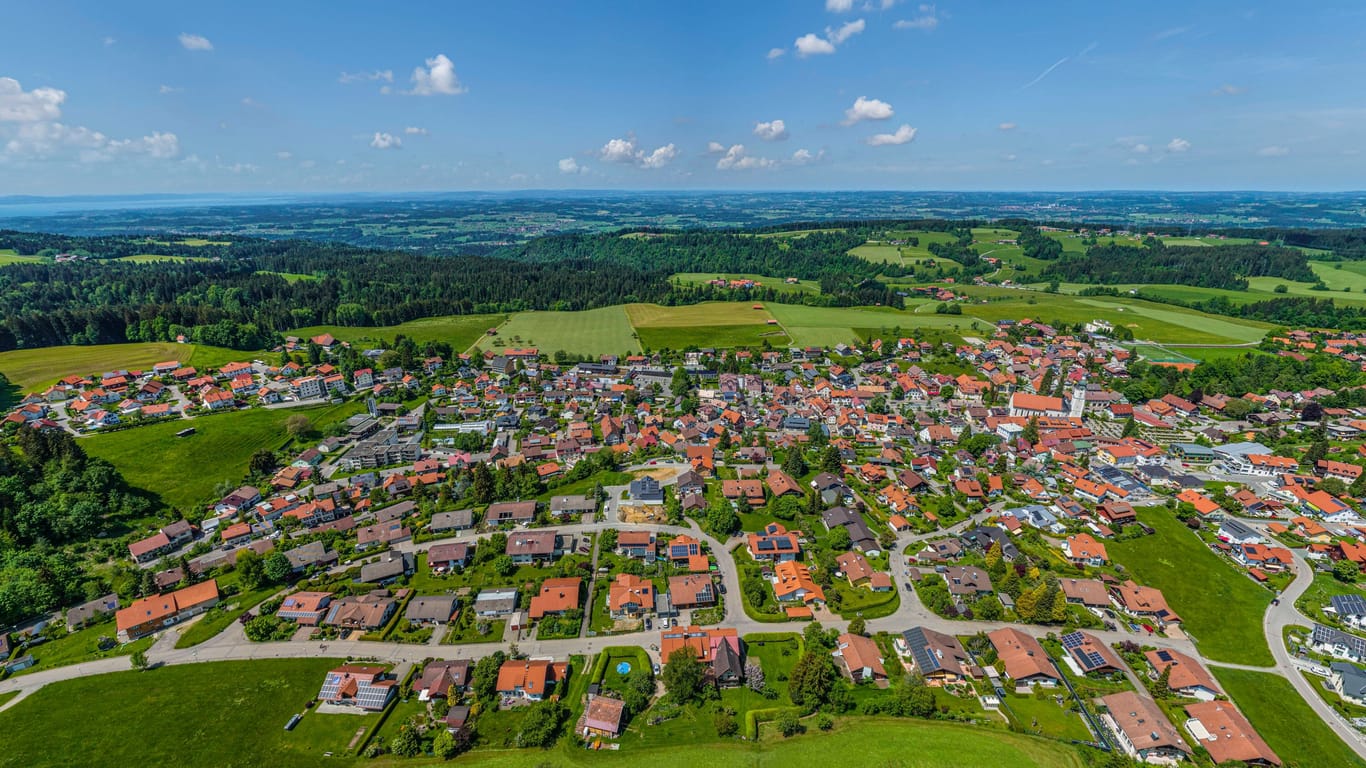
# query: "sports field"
31,369
590,332
184,471
460,331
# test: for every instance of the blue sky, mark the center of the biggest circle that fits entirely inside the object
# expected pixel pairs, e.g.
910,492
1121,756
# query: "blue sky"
108,98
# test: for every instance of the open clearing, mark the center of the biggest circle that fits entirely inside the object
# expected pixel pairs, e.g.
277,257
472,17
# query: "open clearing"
9,256
1292,730
590,332
460,331
1221,609
152,258
36,368
708,313
776,283
183,471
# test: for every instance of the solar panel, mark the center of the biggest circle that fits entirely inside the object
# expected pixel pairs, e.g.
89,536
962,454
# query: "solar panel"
1164,655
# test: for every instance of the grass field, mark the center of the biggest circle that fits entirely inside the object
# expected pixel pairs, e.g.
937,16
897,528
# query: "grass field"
655,338
1221,608
82,645
776,283
183,471
36,368
291,277
8,256
1292,730
222,714
706,314
878,253
590,332
828,326
460,331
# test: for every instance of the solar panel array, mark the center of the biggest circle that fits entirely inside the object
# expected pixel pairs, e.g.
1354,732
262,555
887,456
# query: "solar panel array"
1090,660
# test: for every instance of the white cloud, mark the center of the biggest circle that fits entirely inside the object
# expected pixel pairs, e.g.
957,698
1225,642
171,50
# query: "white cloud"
195,42
846,31
41,140
1007,127
928,19
715,146
20,106
736,159
774,130
386,75
867,109
812,44
1178,145
1141,149
1228,89
839,6
660,157
904,135
437,78
625,151
414,130
386,141
1009,158
1173,32
805,157
248,101
166,89
774,53
109,40
1273,151
283,155
571,166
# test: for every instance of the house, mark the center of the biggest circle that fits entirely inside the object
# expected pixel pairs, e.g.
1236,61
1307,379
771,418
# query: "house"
1236,533
150,614
1336,643
358,685
389,567
314,554
431,609
860,535
967,582
691,591
1349,681
937,657
602,717
629,596
792,582
517,512
368,612
557,596
570,506
528,547
1222,730
749,491
983,537
637,544
774,544
1142,730
87,612
1143,602
382,535
717,647
1023,659
1187,677
860,657
685,550
646,490
148,549
1089,593
495,602
530,679
459,520
1350,609
1083,550
307,609
446,558
1087,654
781,484
439,679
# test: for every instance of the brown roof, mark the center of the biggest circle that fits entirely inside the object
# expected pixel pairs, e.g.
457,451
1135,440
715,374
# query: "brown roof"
557,596
534,677
1229,735
1142,722
1021,654
1088,591
779,482
626,588
1186,672
604,714
859,652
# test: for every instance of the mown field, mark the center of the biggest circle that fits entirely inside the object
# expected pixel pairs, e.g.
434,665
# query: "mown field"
1221,608
9,256
152,258
32,369
776,283
460,331
1292,730
183,471
590,332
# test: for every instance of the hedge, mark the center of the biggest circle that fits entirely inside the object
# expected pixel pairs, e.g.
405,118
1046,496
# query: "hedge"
756,716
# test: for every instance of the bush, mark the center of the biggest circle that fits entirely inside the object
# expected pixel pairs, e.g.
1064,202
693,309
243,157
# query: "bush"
825,722
725,724
788,724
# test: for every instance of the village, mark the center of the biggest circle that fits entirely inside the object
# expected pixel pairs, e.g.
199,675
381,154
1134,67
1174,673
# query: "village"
501,532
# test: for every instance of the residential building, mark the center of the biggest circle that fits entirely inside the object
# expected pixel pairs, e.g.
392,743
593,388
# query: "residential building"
358,685
860,658
149,614
1142,730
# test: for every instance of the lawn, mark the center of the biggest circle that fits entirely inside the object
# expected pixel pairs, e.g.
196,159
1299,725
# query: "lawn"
221,714
465,630
153,458
221,616
1285,721
613,680
710,313
1045,717
1221,608
590,332
776,283
878,253
81,645
1313,600
460,331
33,369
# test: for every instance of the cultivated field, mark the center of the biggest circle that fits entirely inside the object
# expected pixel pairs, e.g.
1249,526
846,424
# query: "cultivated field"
8,256
460,331
184,471
708,313
32,369
590,332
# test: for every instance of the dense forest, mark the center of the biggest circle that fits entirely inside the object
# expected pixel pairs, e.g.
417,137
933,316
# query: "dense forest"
53,497
1226,266
1294,311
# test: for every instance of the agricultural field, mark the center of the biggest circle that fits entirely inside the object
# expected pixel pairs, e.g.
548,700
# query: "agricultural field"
711,324
828,326
1147,320
220,714
1292,730
32,369
9,256
1221,609
154,459
776,283
460,331
590,332
683,337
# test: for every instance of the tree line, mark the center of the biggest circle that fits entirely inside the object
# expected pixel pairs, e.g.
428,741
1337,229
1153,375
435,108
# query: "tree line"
1226,266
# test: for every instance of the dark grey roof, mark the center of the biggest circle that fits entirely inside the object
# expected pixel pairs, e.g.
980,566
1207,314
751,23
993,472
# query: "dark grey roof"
1348,605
